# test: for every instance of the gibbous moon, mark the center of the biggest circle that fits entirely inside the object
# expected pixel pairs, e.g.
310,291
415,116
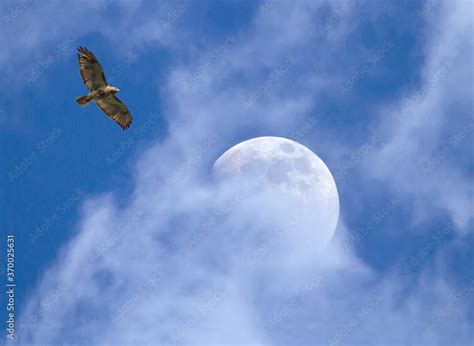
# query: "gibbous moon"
299,181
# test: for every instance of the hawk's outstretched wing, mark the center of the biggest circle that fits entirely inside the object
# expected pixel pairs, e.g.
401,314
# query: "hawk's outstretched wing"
91,70
116,109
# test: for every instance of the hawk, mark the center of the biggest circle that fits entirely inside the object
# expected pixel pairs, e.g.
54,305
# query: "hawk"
99,91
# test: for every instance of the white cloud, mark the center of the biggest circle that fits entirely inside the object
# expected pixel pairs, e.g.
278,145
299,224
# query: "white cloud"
418,156
135,275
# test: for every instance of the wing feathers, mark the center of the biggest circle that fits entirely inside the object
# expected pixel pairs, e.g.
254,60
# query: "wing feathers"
94,79
91,71
116,110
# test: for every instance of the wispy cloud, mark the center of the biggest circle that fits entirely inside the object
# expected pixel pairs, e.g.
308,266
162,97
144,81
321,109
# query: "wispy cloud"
418,131
203,235
26,162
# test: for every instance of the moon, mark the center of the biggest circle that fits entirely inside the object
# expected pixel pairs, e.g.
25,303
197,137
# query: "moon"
297,180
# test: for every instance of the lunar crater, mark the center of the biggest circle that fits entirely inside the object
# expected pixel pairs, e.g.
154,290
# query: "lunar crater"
294,177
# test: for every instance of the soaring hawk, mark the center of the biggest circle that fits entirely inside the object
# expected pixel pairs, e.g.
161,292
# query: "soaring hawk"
99,91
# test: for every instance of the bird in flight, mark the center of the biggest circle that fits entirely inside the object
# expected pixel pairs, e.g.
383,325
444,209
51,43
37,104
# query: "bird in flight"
99,91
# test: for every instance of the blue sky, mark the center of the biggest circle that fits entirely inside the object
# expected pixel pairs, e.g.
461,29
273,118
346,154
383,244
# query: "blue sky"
389,84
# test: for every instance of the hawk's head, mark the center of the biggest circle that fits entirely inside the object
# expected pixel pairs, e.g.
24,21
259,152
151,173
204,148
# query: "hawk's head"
111,90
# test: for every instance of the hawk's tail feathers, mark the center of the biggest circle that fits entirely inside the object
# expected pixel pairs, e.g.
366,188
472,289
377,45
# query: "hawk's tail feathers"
83,100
